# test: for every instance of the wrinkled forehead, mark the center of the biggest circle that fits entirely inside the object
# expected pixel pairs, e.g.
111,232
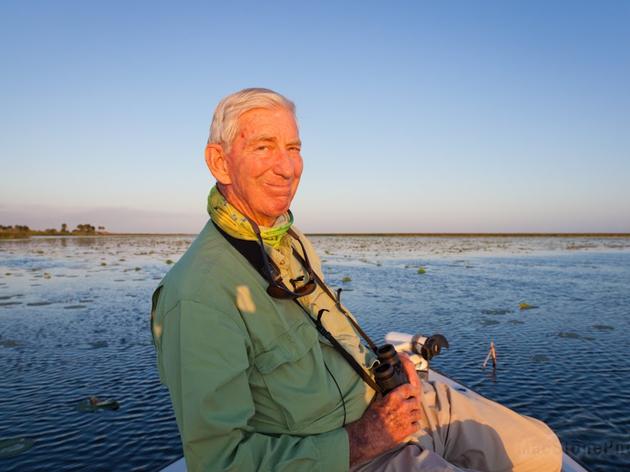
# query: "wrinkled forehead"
273,123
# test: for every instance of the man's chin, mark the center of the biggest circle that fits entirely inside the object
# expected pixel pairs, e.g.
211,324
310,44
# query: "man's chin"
278,210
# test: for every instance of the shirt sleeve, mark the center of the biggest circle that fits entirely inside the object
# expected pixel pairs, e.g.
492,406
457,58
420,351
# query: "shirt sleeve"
204,355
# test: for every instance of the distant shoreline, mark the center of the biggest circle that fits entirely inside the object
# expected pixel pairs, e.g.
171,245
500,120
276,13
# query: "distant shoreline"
385,235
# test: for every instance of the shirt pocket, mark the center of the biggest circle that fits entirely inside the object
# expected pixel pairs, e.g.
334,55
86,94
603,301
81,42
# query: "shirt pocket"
295,377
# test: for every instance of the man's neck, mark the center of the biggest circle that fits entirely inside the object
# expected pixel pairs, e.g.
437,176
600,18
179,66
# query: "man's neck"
243,208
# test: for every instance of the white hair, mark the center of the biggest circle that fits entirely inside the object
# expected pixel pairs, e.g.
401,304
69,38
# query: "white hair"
225,120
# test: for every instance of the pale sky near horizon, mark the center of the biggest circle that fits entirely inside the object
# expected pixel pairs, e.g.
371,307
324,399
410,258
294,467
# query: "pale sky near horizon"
415,116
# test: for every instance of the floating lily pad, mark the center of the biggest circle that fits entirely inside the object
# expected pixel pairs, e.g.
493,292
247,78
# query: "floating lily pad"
13,446
488,322
93,404
526,306
572,335
602,327
346,279
540,359
422,270
10,303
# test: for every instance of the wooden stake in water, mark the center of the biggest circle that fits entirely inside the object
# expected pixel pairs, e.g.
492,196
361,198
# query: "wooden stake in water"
492,354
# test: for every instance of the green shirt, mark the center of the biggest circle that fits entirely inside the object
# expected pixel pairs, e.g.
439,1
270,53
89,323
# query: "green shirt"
248,374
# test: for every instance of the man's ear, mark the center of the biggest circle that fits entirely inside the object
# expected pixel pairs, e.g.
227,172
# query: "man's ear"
217,163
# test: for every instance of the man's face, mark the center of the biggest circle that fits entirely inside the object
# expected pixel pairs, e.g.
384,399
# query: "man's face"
264,164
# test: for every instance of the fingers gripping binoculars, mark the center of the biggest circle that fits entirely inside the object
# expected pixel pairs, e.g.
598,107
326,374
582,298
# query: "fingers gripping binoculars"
390,373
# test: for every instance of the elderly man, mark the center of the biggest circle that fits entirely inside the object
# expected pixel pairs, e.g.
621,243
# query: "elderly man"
266,369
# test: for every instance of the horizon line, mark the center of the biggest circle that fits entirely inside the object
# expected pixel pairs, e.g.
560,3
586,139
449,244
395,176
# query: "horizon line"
557,234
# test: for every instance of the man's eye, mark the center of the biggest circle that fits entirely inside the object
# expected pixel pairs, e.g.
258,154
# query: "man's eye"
262,148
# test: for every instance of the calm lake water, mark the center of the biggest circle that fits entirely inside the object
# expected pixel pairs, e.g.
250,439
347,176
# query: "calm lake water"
74,324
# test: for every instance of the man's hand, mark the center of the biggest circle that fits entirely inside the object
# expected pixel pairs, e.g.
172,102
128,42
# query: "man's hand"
388,420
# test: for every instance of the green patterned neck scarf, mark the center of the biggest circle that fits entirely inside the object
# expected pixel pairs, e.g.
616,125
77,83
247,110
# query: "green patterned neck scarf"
237,225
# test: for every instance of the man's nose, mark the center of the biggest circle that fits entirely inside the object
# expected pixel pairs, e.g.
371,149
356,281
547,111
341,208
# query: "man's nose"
284,164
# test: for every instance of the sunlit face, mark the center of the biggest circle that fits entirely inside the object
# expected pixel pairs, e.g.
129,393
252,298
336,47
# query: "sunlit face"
264,164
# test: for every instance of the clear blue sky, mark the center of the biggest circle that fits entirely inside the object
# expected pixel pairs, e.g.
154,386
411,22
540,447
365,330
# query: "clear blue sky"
415,116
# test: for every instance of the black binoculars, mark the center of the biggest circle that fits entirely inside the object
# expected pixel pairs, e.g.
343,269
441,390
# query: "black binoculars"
389,373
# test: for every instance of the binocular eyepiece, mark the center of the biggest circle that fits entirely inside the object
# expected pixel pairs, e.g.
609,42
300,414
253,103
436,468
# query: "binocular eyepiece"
389,373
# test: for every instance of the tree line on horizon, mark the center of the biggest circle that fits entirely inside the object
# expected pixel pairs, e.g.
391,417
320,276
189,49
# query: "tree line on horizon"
24,231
